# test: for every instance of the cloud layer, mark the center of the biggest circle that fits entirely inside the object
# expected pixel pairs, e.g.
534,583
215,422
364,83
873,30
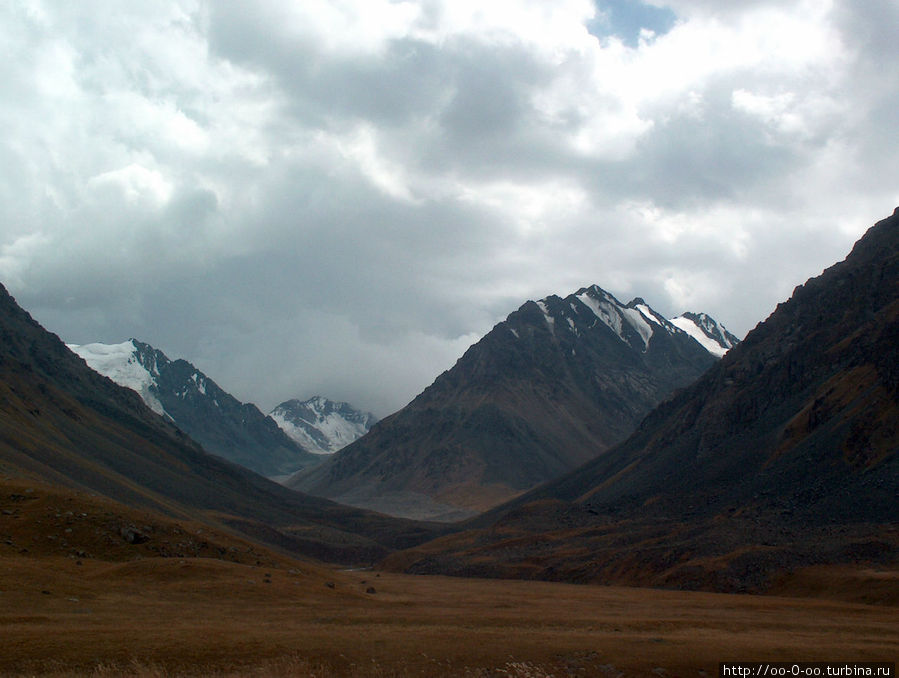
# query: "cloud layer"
341,196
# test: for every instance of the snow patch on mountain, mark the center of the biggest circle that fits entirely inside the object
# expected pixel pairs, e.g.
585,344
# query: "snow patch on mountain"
298,432
652,316
712,335
199,381
616,315
550,321
647,312
605,311
119,362
638,321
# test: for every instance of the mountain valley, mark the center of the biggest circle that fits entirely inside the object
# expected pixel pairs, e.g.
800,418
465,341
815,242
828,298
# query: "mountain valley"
772,470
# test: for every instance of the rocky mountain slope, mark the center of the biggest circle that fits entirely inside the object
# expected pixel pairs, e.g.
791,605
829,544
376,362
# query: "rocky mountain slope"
320,425
223,425
784,454
556,383
64,424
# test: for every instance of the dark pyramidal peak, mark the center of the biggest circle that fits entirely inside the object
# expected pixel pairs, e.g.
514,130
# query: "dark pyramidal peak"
556,383
237,431
783,454
65,424
321,425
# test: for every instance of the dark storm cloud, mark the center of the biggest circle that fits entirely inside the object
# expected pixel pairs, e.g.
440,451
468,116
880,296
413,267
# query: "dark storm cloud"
390,87
460,105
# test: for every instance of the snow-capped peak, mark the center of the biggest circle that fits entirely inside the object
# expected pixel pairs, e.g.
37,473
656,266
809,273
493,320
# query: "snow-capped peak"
634,323
321,425
140,367
120,363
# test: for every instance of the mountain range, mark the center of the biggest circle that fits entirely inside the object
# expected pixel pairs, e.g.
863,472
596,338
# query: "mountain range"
555,384
779,457
783,455
223,425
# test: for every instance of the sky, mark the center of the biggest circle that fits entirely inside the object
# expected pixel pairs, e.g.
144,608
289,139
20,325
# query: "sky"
338,197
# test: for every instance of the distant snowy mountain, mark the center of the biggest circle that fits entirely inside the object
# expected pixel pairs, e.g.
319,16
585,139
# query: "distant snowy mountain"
321,425
237,431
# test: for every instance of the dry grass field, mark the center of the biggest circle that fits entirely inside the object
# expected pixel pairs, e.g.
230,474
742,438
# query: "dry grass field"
77,597
201,616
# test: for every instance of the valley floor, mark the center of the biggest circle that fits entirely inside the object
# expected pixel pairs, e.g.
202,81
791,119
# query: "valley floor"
201,616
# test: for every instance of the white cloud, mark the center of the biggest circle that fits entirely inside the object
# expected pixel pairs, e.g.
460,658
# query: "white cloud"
361,148
534,207
16,258
355,27
548,26
138,185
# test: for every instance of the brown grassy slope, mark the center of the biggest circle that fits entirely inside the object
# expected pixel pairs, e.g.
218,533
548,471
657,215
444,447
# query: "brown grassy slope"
40,521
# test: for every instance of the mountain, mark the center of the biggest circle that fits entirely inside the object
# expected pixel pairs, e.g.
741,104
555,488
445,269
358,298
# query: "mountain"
222,424
783,455
64,424
321,425
556,383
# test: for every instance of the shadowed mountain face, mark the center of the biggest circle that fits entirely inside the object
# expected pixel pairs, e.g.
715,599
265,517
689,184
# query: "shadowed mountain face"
557,382
236,431
63,423
783,454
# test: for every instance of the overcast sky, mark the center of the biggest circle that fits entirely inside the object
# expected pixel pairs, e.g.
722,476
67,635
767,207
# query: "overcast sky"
339,197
